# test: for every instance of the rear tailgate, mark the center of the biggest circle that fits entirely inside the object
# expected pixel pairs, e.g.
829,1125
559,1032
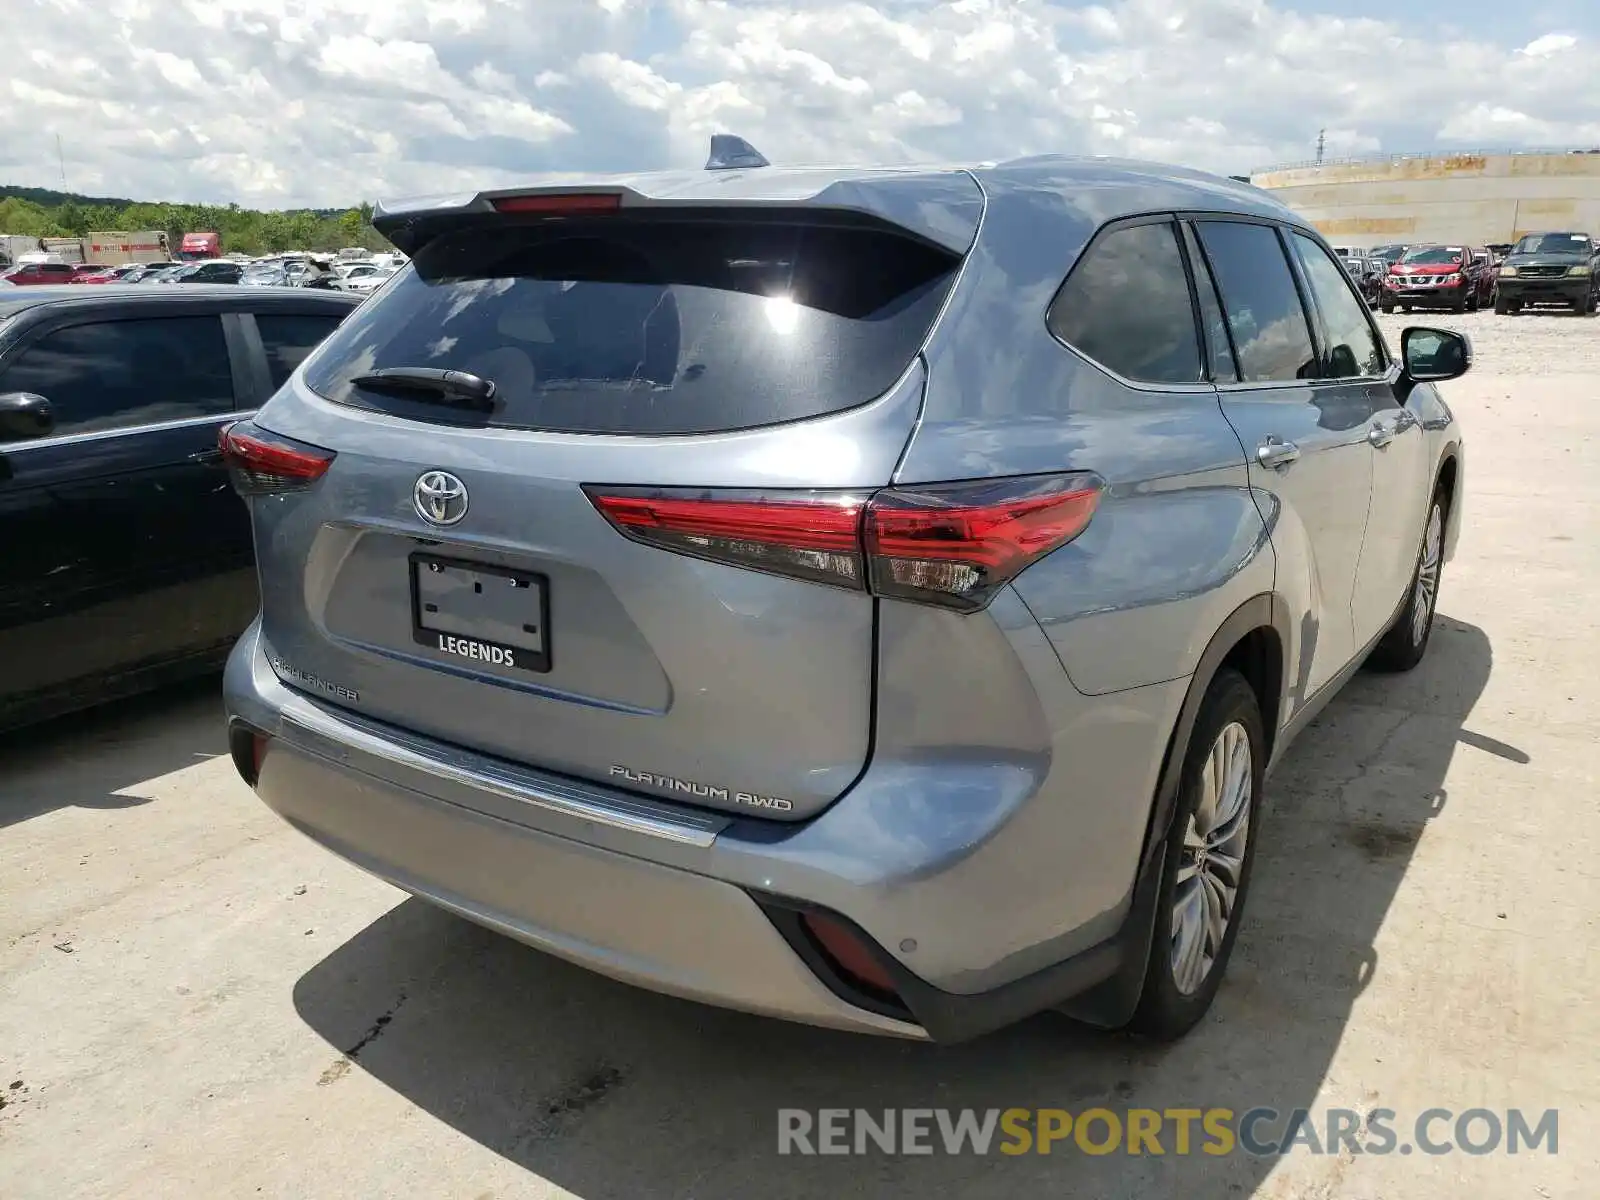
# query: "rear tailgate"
450,574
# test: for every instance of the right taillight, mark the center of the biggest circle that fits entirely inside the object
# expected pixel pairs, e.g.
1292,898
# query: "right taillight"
953,545
957,544
263,463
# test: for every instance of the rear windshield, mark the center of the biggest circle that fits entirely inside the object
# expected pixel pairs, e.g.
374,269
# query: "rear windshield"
614,325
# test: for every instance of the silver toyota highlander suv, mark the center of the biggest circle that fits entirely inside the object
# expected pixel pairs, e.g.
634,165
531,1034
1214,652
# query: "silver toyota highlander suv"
871,597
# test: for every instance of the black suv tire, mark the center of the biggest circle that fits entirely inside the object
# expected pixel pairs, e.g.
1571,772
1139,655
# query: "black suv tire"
1402,648
1165,1011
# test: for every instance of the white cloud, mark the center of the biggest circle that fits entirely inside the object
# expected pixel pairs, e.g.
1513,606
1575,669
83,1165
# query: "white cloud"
1550,43
283,102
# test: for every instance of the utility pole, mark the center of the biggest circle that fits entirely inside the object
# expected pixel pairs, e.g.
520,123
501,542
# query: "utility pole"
1322,144
61,160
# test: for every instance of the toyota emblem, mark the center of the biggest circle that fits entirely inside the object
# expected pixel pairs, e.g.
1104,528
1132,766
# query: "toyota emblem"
440,497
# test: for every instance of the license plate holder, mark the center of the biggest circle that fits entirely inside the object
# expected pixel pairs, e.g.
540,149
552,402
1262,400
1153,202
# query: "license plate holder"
480,613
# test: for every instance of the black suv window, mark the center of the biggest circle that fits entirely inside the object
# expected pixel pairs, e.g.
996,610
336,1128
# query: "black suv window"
649,326
1353,348
117,374
289,337
1270,334
1126,305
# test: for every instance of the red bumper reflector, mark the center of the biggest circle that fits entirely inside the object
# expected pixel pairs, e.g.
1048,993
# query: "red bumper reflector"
847,952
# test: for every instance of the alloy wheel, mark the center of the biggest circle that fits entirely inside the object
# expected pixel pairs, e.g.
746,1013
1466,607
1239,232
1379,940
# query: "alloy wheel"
1427,589
1212,860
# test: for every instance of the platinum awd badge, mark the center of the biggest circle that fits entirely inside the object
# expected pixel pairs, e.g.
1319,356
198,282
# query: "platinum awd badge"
688,788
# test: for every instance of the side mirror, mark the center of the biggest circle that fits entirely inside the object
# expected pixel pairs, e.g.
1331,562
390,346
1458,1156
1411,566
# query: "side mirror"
1432,355
25,415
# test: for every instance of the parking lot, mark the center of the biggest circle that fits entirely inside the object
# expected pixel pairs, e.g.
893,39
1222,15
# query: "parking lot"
196,1001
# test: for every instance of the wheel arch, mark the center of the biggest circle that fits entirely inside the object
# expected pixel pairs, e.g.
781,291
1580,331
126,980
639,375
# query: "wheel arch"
1449,479
1254,639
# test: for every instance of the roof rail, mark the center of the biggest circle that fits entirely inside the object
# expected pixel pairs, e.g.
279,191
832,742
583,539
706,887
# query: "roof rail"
729,153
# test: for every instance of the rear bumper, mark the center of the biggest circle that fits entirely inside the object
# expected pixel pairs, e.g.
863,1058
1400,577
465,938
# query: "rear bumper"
690,903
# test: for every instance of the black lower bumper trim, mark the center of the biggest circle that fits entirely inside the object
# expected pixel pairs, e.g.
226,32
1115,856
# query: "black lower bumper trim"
955,1017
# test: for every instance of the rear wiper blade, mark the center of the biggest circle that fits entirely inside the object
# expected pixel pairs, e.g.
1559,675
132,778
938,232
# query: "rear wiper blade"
426,384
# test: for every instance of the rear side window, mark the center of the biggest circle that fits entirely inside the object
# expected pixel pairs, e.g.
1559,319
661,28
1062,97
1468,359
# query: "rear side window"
1271,339
1126,305
120,374
616,325
289,337
1353,349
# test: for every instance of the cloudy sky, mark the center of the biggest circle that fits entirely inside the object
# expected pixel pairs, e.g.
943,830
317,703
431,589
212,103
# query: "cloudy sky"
275,103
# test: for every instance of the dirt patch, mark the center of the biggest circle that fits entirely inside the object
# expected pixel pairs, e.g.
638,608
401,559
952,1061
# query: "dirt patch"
1380,842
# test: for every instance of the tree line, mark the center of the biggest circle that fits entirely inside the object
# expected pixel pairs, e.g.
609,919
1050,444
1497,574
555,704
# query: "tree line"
36,212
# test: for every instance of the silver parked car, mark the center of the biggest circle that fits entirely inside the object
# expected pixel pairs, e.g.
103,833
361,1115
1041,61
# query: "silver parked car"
872,598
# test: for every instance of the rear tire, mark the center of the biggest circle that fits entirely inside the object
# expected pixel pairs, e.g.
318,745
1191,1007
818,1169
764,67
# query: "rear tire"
1212,842
1403,646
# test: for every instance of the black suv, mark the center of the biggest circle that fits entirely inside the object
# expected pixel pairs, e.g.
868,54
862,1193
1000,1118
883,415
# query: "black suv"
1550,268
128,558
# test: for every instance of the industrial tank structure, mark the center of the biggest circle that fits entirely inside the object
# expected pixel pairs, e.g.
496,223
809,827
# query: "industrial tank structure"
1473,198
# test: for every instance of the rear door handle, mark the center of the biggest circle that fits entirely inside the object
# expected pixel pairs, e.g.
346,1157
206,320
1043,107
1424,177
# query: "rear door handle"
1380,435
1277,454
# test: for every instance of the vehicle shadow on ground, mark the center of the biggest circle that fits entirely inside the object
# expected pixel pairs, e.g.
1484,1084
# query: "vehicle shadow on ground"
612,1092
91,759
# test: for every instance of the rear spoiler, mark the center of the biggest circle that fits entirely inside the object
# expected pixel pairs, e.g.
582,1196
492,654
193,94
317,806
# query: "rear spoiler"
942,206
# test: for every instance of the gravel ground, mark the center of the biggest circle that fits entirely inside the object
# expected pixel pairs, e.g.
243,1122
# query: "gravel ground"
1538,342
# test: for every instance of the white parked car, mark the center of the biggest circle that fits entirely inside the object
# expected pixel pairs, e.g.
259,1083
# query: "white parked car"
366,278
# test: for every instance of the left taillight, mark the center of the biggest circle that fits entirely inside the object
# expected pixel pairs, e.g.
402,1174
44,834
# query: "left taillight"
262,463
952,545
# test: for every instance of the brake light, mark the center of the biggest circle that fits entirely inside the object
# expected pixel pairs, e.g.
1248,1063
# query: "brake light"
559,203
953,545
958,544
264,463
810,535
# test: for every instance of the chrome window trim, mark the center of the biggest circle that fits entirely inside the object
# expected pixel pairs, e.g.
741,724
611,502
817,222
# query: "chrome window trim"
95,435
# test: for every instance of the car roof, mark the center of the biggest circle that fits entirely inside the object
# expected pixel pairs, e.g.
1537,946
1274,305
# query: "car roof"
941,202
18,300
